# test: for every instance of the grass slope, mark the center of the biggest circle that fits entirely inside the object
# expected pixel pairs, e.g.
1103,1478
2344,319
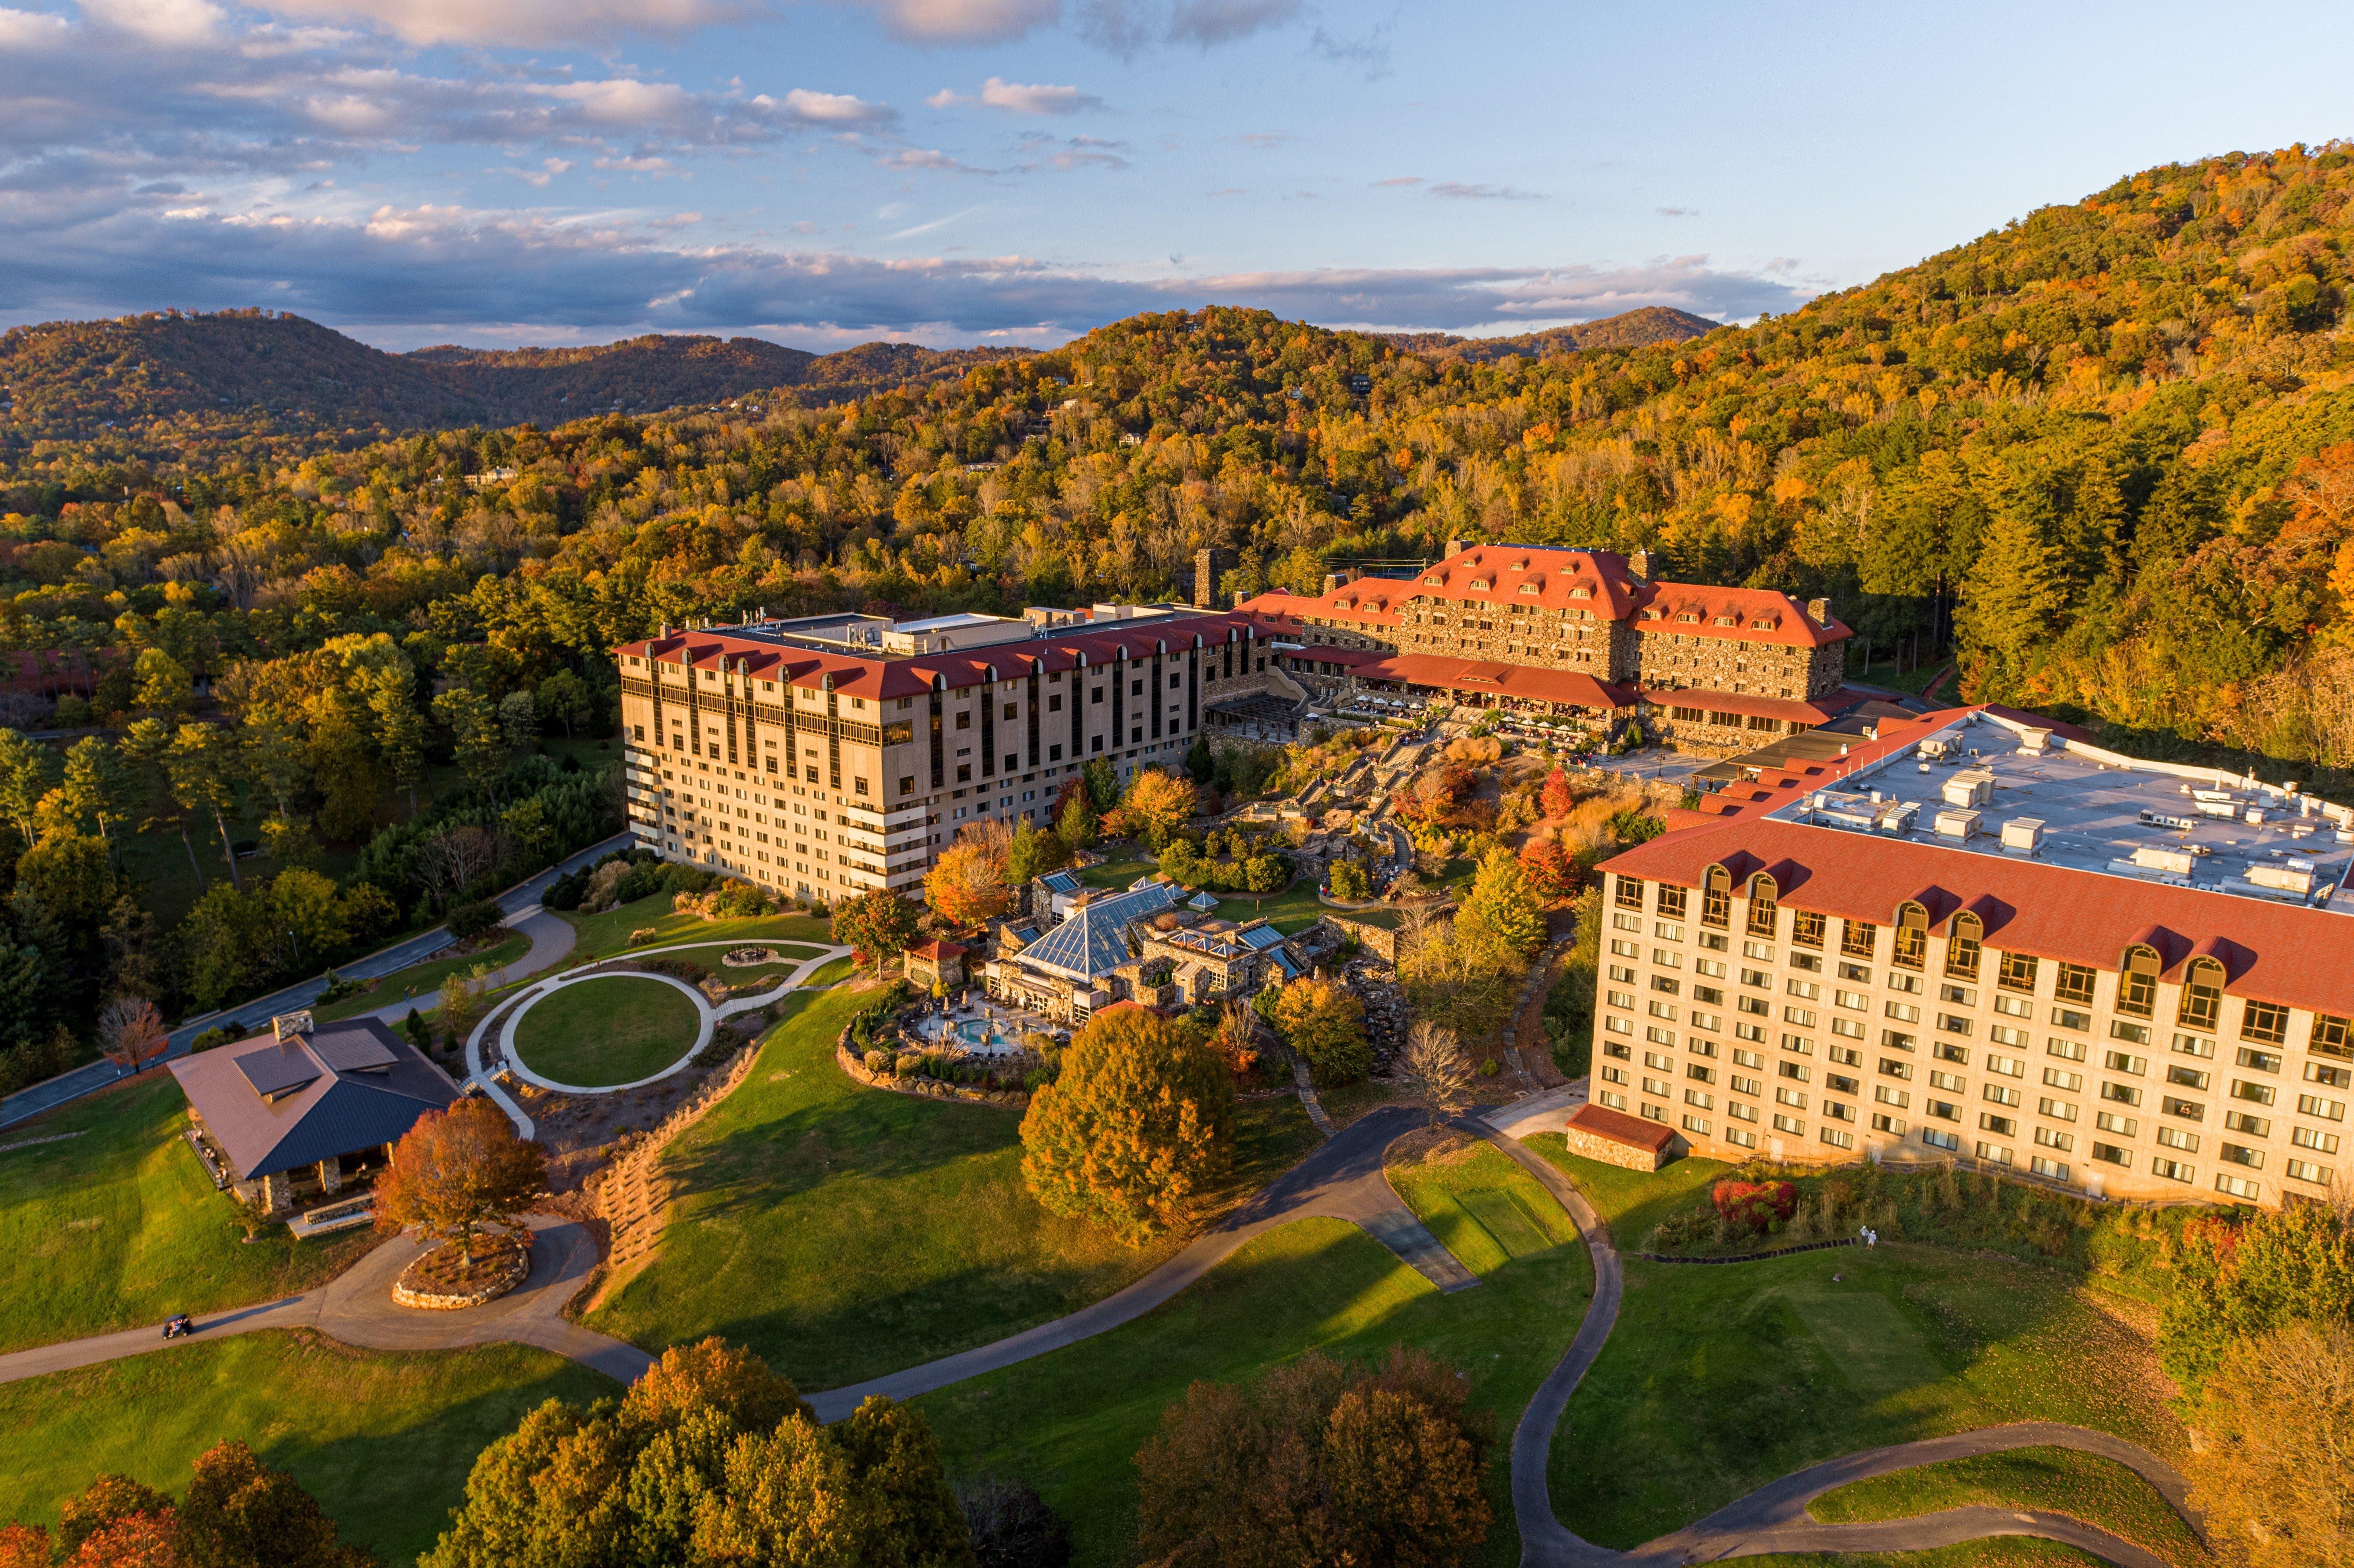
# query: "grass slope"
1719,1379
421,983
1070,1423
2058,1480
602,936
120,1226
614,1029
844,1231
385,1442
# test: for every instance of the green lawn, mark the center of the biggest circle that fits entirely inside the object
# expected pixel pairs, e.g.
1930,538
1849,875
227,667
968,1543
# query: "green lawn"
844,1231
792,956
1070,1423
614,1029
1295,910
1129,862
1630,1200
1719,1379
422,982
2057,1480
120,1226
385,1442
826,974
602,936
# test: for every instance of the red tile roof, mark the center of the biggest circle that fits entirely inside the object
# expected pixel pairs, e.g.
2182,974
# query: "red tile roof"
2284,953
1505,680
936,950
1621,1128
879,677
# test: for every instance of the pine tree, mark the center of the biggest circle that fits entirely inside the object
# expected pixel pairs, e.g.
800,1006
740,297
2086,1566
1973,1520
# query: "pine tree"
2009,600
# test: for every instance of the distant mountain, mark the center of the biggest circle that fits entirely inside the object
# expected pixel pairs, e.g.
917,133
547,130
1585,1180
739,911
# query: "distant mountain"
1631,329
258,368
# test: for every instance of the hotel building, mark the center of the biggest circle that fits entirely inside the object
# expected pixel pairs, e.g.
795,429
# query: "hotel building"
1585,632
825,756
1980,936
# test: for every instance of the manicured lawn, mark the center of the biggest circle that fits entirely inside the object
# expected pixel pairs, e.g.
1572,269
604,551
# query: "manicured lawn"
1128,863
2058,1480
825,974
422,982
614,1029
790,957
844,1232
602,936
1070,1423
1630,1201
2002,1552
385,1442
1295,910
120,1226
1718,1380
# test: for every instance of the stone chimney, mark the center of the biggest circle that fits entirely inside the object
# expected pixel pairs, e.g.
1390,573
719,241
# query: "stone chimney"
291,1024
1640,565
1819,611
1454,546
1332,581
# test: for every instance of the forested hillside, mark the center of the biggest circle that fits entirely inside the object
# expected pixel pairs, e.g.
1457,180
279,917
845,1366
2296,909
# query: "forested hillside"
169,375
2107,451
1641,328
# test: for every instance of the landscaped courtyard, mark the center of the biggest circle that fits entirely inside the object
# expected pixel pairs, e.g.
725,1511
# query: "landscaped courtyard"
608,1030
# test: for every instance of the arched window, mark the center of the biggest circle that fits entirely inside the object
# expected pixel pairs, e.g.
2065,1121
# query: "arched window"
1964,939
1912,938
1762,908
2203,995
1717,898
2138,982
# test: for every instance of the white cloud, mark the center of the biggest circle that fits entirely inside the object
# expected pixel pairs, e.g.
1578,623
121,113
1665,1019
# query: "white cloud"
1457,191
30,30
964,21
1017,99
832,107
158,21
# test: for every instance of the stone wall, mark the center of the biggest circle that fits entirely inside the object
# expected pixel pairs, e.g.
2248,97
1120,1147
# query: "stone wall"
1610,1151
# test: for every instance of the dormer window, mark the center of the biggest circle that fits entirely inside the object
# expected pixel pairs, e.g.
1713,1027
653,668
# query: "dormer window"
1531,589
1688,618
1479,582
1728,620
1762,624
1581,593
1434,582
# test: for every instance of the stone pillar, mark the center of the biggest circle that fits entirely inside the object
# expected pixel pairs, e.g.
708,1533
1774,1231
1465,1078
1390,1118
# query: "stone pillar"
330,1175
277,1195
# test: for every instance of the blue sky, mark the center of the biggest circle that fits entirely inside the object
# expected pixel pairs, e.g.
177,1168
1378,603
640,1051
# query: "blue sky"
828,172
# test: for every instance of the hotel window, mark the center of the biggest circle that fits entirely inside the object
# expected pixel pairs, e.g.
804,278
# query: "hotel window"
1629,893
1912,950
1717,898
2017,972
2075,983
1671,902
1806,928
2137,982
2331,1036
2264,1021
1963,946
1857,937
2203,995
1764,911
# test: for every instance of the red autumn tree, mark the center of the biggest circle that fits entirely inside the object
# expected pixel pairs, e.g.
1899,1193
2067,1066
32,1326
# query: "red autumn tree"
878,922
1559,799
457,1173
1550,869
967,885
132,1034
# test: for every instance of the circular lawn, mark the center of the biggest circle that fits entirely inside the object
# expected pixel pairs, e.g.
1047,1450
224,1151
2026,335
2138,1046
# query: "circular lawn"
607,1030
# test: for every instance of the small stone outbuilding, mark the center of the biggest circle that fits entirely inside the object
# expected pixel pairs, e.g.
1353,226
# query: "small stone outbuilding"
935,963
1613,1137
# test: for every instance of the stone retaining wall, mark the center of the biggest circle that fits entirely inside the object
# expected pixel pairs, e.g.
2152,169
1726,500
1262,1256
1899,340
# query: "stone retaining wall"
927,1088
429,1301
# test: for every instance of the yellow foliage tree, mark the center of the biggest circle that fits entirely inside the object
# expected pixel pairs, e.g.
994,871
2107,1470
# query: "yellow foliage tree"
967,885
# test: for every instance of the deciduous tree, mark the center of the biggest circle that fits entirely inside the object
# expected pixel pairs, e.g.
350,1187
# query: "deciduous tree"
131,1033
1434,1062
1502,908
878,923
1136,1130
967,885
1325,1024
457,1171
2270,1472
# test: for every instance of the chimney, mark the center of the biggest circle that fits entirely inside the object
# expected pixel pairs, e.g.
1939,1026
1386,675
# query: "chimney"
1819,611
1640,565
1454,546
1332,581
293,1023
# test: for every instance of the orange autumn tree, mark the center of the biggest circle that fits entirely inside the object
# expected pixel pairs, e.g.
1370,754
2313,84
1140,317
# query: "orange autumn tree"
1157,805
1136,1130
457,1173
967,885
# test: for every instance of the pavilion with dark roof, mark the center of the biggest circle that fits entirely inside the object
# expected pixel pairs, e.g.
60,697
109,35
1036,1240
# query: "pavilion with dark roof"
299,1112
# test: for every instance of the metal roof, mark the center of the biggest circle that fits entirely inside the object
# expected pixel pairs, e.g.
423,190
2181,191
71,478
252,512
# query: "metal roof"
365,1086
1092,941
1061,882
1260,937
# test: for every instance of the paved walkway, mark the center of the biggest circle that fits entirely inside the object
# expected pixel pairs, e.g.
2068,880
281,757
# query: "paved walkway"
1341,1180
552,938
356,1307
1773,1519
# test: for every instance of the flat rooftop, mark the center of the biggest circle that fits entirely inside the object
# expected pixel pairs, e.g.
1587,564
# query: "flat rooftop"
1988,785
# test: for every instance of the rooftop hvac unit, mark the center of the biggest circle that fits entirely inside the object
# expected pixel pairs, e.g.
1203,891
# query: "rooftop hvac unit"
2227,809
2256,816
1954,824
1932,748
2160,820
2023,833
2034,741
1897,817
2283,877
1971,787
2150,857
2211,795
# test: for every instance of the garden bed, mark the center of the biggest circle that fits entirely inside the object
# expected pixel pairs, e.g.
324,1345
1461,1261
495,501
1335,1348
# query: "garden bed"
444,1280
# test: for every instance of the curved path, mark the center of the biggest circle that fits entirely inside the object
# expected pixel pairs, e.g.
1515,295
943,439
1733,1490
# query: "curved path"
483,1074
1341,1180
1773,1518
356,1307
552,938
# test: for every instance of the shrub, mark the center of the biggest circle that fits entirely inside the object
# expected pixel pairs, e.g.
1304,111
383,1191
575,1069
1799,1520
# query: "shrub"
473,918
877,1061
909,1065
642,935
1754,1207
